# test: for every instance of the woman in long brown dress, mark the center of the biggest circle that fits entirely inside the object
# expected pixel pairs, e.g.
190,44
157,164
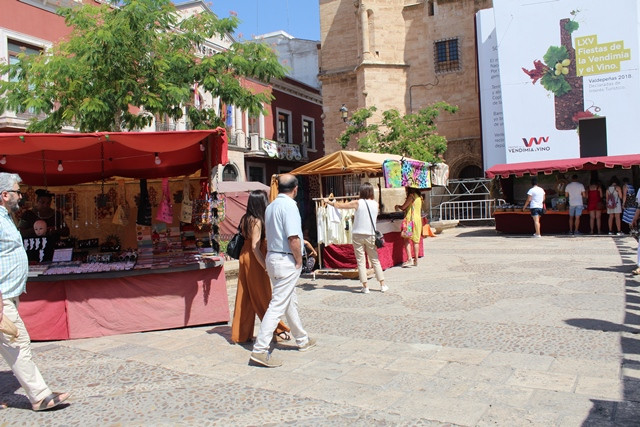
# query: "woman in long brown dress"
254,288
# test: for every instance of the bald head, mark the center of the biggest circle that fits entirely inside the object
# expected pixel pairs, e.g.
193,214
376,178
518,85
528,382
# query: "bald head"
287,183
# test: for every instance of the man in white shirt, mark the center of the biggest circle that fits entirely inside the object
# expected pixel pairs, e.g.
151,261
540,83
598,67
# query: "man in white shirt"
535,201
283,228
577,193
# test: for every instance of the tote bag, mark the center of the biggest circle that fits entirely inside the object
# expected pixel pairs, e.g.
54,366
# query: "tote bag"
186,209
165,211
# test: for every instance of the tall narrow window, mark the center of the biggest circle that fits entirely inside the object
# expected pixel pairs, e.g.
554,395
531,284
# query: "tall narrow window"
446,56
254,125
14,48
308,133
284,120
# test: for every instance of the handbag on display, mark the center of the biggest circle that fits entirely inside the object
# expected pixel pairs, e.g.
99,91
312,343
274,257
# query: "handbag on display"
121,216
379,237
165,211
186,209
235,245
144,205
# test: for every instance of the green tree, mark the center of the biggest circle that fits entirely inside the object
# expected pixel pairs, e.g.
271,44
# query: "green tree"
413,135
139,54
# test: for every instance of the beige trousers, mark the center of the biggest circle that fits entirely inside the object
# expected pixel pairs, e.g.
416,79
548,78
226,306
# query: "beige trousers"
17,354
365,243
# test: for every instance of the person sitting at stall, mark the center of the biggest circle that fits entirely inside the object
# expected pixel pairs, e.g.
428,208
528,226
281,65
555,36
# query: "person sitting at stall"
412,224
42,210
310,255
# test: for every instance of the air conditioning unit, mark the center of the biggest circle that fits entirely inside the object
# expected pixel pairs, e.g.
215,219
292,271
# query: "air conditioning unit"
255,142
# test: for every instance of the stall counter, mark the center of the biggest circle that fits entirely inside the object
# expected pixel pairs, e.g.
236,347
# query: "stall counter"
93,305
392,253
552,222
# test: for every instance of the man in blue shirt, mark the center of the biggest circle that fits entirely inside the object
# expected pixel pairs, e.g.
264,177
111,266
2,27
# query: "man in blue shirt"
14,267
283,228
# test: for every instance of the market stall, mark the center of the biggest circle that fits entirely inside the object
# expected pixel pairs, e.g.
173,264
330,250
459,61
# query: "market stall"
512,220
168,276
386,168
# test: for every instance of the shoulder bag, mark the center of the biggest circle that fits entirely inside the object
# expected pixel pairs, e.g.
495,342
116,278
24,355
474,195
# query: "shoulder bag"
235,245
378,235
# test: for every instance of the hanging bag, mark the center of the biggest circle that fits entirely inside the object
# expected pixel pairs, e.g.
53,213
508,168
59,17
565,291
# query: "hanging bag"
378,235
407,227
611,199
121,216
186,209
235,245
165,211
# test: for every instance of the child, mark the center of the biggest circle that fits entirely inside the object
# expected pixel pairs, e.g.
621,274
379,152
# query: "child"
310,255
40,228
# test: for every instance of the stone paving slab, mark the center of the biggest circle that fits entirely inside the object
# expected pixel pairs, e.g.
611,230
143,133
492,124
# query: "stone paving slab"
488,330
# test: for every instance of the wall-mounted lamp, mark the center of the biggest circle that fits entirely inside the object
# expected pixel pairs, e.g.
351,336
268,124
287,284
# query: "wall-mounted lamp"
3,160
344,115
60,167
157,159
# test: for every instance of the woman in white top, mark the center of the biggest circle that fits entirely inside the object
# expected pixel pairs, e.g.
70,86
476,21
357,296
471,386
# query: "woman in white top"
363,234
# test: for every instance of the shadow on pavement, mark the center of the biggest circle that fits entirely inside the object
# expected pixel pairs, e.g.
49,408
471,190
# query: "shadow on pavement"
627,411
311,286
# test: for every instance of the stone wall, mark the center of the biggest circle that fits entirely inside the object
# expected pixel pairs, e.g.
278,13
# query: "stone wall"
381,53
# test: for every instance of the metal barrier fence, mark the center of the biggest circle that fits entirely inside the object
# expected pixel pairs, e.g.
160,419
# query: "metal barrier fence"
469,210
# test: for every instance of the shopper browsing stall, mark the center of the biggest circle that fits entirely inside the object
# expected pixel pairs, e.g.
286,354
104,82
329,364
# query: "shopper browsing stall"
535,202
363,235
411,229
577,193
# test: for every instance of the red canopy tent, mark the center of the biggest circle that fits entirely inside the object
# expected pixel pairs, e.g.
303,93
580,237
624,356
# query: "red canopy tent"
550,166
87,157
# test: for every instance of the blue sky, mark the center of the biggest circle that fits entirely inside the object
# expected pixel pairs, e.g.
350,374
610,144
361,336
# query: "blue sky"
300,18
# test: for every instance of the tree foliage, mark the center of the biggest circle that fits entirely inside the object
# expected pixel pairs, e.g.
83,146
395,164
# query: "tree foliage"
136,55
412,135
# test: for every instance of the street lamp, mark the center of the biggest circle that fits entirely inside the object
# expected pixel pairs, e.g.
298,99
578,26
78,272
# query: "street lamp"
344,114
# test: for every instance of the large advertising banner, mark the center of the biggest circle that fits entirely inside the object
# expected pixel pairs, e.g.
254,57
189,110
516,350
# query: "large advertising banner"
569,77
493,148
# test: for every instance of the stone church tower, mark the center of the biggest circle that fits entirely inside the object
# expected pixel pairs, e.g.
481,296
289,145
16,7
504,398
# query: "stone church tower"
404,54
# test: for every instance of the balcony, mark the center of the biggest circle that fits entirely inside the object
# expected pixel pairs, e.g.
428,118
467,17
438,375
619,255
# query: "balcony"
262,147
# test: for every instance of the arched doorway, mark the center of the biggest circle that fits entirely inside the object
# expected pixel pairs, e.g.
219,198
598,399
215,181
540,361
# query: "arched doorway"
471,171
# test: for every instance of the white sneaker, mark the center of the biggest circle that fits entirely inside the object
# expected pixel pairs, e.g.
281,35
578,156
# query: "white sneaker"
364,290
384,288
537,235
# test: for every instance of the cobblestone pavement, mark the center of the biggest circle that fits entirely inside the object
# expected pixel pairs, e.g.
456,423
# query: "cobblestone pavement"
489,329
